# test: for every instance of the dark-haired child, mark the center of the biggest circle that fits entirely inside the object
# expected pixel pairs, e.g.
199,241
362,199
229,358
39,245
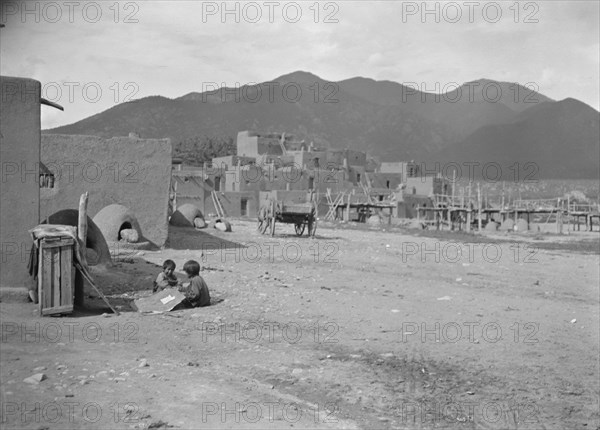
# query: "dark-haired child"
196,293
166,278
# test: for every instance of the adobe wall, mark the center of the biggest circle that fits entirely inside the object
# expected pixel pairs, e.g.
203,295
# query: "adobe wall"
129,171
247,144
195,187
381,180
19,187
232,203
422,186
356,158
306,159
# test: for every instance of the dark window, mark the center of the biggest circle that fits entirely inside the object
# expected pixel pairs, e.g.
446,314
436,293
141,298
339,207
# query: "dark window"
244,207
217,183
46,180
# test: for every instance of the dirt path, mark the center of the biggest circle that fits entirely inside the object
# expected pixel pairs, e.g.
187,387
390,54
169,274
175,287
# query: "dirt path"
354,329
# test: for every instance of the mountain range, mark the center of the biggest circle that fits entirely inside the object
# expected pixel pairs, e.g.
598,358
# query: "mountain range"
482,121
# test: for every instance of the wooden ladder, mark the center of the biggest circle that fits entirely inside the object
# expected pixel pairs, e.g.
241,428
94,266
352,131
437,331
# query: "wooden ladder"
333,204
217,204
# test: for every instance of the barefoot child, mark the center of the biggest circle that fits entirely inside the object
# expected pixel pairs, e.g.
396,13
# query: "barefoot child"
166,278
196,292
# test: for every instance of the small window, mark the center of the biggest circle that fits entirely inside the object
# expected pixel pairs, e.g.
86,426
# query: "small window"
244,207
387,184
46,180
46,177
217,183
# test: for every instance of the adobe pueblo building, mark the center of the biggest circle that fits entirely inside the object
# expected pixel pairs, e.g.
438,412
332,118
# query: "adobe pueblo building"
277,164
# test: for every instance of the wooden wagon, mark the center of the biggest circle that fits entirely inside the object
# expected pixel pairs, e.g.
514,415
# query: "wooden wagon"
302,215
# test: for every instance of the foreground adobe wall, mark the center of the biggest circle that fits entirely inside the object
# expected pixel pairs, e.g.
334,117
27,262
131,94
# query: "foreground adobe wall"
125,170
19,187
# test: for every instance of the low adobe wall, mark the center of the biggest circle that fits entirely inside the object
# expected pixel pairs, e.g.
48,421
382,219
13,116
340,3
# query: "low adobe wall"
124,170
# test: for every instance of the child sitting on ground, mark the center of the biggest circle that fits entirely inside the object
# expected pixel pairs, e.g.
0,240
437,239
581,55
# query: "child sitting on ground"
166,278
196,291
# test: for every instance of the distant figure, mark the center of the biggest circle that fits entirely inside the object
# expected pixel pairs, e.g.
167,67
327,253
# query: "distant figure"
166,278
196,291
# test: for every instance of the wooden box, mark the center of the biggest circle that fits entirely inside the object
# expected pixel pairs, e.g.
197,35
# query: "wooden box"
56,275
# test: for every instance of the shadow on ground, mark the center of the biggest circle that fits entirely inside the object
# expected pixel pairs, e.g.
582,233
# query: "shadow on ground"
190,238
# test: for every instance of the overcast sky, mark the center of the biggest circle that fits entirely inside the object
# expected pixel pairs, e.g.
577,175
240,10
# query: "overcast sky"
124,50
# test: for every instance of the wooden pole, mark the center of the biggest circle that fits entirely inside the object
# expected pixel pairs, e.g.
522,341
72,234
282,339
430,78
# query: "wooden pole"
559,214
347,217
469,209
453,185
478,207
82,221
569,219
82,235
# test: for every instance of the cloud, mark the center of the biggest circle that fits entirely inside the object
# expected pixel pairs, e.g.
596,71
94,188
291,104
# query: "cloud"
176,46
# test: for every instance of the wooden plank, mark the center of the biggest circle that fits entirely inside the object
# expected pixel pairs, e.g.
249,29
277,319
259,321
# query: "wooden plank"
66,268
46,262
58,243
56,276
57,310
74,286
40,279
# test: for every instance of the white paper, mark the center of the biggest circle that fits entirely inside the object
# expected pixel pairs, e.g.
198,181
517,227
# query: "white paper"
167,299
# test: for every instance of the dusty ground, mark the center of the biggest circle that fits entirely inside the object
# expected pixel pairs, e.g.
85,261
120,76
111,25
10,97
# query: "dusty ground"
356,328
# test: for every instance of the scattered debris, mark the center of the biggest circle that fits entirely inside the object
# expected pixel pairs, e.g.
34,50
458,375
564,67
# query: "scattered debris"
35,379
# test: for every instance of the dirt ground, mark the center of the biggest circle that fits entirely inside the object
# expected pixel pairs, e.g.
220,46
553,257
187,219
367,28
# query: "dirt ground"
356,328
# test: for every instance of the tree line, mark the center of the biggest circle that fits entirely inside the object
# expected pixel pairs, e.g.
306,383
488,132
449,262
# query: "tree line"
194,151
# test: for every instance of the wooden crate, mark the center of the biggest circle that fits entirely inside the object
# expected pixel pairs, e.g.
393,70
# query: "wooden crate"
56,275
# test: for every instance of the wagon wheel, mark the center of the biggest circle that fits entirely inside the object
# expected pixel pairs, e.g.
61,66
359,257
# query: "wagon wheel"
300,228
